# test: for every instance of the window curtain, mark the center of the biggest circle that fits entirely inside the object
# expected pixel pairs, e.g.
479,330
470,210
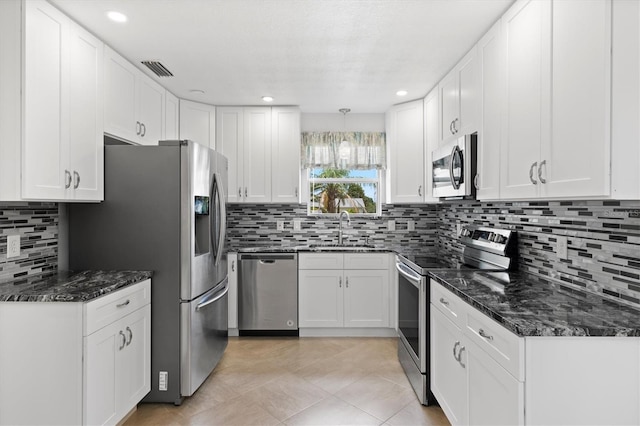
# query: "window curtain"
344,150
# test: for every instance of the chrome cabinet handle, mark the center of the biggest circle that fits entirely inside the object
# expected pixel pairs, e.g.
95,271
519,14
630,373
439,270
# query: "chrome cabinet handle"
462,349
482,333
240,192
455,129
67,178
340,282
296,191
233,266
347,282
444,301
454,351
533,181
130,336
451,128
420,191
124,341
475,180
540,178
76,179
123,304
245,192
143,129
138,128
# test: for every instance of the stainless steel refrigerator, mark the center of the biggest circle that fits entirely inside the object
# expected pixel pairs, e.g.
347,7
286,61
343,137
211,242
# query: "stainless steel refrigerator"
165,211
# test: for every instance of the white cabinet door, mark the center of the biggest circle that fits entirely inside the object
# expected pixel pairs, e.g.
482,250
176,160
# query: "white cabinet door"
229,139
490,67
285,155
86,115
320,296
120,110
100,375
45,174
449,102
526,111
133,366
495,397
366,298
405,147
431,139
256,155
151,110
171,117
198,123
448,376
576,161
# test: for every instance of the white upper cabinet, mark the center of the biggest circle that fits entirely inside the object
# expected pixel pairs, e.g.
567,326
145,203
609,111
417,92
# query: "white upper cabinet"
285,155
459,99
134,103
526,111
263,148
171,117
405,148
575,162
490,73
431,139
56,154
198,123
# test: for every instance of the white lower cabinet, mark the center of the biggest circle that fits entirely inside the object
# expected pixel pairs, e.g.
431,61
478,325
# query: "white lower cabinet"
483,374
83,363
338,290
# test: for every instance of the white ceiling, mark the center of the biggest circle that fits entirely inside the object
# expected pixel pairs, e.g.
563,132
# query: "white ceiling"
319,54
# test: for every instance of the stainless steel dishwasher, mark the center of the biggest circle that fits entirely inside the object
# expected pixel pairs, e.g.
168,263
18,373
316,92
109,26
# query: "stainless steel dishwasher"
268,293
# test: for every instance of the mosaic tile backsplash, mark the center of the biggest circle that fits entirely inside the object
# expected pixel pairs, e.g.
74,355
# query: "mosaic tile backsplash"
254,225
37,225
603,240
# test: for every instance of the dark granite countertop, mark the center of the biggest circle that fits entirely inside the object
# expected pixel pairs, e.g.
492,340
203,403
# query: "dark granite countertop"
529,305
316,248
69,286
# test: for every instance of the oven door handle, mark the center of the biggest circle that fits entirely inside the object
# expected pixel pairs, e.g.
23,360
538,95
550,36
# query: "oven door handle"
410,275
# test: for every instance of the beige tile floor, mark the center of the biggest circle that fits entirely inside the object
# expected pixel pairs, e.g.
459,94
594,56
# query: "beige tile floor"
300,381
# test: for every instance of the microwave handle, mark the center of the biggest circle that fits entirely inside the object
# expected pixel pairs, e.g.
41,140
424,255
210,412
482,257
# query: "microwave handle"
455,151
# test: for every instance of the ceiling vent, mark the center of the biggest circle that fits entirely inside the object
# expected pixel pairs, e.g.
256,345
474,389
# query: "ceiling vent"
158,69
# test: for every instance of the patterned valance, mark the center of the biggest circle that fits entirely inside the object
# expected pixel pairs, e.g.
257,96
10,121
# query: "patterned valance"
344,150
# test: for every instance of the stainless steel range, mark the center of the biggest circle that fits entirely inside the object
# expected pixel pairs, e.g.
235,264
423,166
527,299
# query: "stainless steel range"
484,248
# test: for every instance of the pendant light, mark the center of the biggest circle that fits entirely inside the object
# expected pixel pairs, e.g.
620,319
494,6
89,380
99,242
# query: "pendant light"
344,149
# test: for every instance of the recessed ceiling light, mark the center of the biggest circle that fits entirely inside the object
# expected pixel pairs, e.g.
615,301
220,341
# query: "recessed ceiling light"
267,98
197,91
117,16
401,93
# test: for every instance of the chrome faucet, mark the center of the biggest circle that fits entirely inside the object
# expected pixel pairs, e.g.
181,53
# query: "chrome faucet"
342,213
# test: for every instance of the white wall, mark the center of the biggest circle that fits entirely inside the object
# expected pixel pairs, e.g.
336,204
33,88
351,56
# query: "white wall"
338,123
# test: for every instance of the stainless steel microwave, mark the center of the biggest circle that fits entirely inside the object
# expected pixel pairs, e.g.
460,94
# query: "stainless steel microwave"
454,168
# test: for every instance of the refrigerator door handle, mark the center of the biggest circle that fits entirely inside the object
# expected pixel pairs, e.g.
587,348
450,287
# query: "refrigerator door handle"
219,197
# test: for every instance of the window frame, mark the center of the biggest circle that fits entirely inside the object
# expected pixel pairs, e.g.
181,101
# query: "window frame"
307,180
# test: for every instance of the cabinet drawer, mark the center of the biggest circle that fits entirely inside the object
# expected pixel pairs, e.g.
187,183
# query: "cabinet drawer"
107,309
366,260
320,261
506,348
448,303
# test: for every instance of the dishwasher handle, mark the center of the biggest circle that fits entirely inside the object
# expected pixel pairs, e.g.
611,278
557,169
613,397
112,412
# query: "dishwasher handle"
267,257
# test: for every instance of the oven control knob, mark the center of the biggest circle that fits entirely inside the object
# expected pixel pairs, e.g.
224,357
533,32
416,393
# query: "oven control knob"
491,236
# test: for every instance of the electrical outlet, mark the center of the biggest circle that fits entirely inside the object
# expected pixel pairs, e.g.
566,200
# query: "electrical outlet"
163,381
391,225
411,225
297,224
13,246
562,249
280,225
